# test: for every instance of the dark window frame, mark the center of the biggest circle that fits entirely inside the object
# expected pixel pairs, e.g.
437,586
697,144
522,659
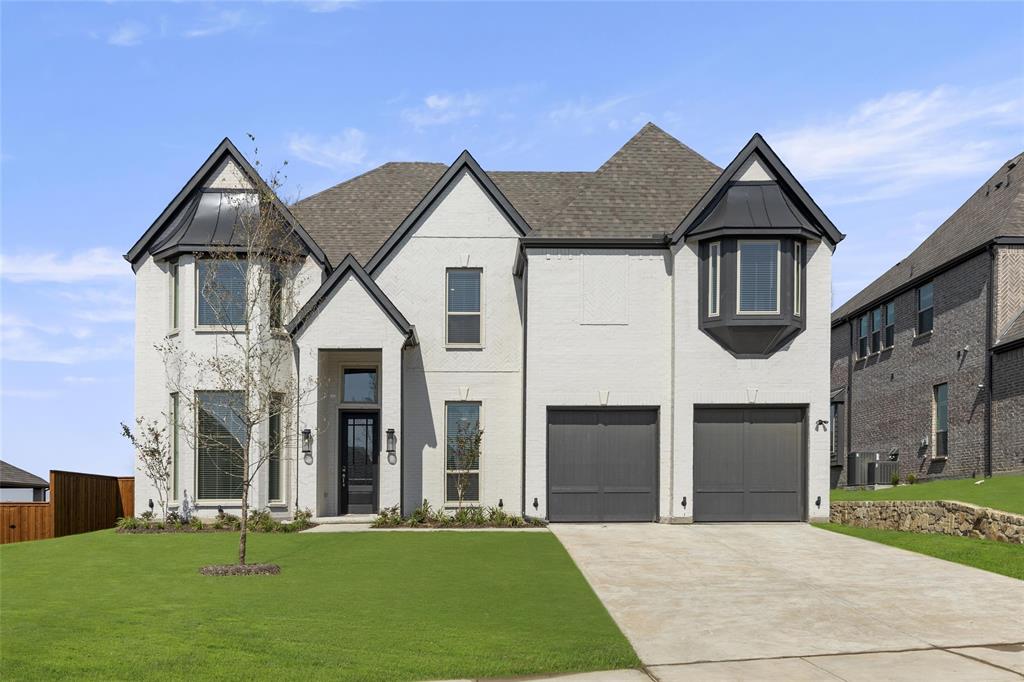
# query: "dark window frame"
926,315
275,442
877,323
863,333
889,336
940,409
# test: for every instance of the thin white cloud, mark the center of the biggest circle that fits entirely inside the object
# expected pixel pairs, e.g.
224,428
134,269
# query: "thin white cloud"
30,393
22,340
337,152
217,24
81,380
327,6
586,110
889,146
91,264
441,108
127,34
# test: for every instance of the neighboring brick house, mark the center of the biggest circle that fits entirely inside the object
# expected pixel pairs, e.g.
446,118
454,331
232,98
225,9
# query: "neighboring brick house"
928,360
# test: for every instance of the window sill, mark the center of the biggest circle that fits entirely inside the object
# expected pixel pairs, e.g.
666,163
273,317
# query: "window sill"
463,346
277,505
214,329
940,458
923,335
216,503
173,333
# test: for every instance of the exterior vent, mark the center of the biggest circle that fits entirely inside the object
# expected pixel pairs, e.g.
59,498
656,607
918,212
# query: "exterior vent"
857,467
881,473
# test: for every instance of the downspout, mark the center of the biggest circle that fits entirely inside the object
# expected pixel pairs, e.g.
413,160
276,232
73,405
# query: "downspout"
298,425
673,405
849,404
988,359
526,313
401,434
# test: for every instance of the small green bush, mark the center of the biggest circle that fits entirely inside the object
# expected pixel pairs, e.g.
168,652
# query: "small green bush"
425,516
895,480
911,479
195,523
303,520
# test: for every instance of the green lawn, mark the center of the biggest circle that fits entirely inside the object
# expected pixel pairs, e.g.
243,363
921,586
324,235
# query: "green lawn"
998,557
347,606
999,492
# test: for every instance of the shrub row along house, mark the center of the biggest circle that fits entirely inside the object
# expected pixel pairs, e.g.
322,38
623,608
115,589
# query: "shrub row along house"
647,341
928,360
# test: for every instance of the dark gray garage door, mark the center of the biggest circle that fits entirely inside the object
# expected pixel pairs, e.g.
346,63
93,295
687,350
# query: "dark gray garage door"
602,465
748,464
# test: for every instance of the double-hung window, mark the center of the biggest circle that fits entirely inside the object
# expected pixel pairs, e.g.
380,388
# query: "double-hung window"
876,330
798,267
275,439
276,297
220,432
862,336
462,456
941,406
464,322
714,276
758,274
221,292
175,296
925,308
890,324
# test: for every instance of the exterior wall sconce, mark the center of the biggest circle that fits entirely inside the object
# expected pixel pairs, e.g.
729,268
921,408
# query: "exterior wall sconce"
536,504
817,502
501,503
307,446
392,446
684,501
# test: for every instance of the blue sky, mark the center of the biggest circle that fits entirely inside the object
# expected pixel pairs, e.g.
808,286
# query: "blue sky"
891,116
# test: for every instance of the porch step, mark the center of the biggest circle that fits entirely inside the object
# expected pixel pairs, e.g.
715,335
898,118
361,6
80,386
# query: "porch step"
347,518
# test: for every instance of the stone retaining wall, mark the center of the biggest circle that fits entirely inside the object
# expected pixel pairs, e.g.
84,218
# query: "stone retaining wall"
931,516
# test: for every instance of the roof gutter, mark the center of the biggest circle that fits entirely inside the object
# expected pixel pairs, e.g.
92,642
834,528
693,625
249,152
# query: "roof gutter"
655,242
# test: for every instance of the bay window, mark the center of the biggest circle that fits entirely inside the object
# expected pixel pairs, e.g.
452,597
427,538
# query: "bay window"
757,274
220,434
221,289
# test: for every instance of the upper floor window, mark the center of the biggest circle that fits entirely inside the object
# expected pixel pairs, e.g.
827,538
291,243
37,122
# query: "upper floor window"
890,324
714,276
276,297
876,330
862,336
174,296
359,385
925,308
757,277
798,265
221,292
464,323
941,406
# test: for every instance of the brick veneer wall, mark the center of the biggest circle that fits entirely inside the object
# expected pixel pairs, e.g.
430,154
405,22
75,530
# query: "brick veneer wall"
931,516
890,400
1008,410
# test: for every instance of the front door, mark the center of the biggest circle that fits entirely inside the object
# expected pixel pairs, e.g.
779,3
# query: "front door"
358,451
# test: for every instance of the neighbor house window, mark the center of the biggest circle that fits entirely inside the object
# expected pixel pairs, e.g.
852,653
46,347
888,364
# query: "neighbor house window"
220,433
221,292
798,266
758,275
173,418
833,428
876,330
463,304
941,400
862,336
359,385
175,296
890,324
925,308
275,436
714,277
276,297
462,465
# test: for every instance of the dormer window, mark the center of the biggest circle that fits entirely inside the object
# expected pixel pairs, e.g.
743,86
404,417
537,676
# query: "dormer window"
758,277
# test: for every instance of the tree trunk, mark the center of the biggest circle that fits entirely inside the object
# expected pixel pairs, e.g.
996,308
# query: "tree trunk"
244,527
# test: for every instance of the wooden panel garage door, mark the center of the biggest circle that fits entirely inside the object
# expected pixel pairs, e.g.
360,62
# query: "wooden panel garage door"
748,464
602,465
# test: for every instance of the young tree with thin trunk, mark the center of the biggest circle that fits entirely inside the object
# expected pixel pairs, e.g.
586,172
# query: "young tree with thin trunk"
153,450
239,398
466,457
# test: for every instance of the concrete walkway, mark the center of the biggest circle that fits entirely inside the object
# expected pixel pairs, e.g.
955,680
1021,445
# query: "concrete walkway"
793,602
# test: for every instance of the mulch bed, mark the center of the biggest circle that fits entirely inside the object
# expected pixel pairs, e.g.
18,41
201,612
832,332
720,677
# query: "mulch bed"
247,569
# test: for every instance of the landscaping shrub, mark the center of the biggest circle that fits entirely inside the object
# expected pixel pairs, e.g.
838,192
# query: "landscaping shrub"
389,517
260,521
911,479
425,516
895,480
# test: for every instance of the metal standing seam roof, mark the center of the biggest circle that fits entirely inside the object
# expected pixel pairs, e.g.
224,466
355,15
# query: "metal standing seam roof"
995,210
14,477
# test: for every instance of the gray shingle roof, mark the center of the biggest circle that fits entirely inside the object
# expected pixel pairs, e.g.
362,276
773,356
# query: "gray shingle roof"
13,477
1013,334
644,188
995,210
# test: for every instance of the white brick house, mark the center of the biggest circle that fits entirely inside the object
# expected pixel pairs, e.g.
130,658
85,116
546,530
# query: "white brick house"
648,341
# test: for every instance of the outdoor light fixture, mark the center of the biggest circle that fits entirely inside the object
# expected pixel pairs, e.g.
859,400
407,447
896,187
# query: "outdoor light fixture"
822,423
684,501
817,502
536,504
392,446
307,446
151,504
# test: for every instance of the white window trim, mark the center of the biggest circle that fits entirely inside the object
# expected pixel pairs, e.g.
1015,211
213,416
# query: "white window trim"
174,417
341,382
798,271
448,344
778,276
214,328
444,458
935,422
209,501
715,257
174,298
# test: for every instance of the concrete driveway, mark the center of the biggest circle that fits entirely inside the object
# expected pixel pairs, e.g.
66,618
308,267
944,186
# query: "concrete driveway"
794,602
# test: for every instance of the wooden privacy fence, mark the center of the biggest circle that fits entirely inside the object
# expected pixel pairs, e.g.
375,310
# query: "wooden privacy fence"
79,503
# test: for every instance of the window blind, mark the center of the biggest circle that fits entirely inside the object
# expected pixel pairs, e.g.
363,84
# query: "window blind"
463,306
221,292
713,264
759,264
274,436
461,418
221,433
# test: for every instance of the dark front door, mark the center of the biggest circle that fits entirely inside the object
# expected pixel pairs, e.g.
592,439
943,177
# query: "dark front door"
358,450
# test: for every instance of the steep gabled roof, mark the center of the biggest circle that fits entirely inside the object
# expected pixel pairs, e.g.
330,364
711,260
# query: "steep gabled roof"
351,266
1013,336
783,200
13,477
187,201
466,163
994,211
642,190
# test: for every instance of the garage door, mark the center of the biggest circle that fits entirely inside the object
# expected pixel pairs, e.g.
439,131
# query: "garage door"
602,465
748,464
